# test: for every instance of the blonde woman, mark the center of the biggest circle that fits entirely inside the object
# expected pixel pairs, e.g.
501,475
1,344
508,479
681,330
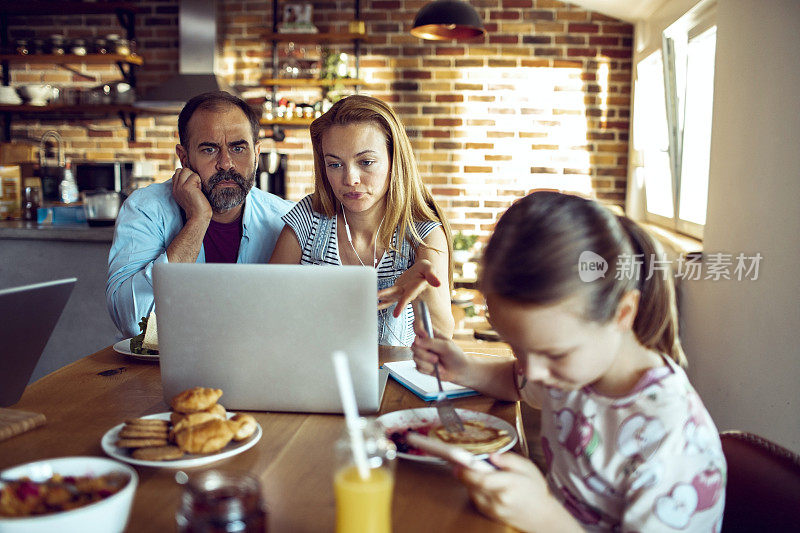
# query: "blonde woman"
369,207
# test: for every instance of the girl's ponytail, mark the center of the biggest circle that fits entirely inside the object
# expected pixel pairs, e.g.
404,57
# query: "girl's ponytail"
656,324
536,256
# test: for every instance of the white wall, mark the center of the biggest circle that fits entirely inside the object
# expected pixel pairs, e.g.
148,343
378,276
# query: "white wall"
743,337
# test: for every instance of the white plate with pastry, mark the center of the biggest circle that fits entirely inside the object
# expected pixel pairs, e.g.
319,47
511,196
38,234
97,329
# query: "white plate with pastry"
124,347
484,433
112,436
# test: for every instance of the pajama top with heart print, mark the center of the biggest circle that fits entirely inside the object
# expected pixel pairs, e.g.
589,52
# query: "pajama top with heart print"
647,461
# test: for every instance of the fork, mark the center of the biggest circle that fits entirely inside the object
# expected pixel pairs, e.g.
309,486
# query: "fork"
444,406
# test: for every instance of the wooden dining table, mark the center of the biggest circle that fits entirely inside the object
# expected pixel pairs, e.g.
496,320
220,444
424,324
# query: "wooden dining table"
294,460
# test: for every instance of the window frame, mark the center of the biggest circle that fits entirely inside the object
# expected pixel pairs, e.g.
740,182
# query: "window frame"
694,23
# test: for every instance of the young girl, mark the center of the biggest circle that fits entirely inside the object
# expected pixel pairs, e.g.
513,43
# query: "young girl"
629,445
370,207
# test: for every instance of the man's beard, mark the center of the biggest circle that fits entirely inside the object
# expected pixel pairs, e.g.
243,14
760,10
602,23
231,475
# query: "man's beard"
225,198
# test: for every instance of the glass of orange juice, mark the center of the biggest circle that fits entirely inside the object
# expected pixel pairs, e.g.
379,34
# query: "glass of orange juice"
365,505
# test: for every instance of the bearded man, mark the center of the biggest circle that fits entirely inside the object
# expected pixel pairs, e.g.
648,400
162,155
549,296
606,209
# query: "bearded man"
208,212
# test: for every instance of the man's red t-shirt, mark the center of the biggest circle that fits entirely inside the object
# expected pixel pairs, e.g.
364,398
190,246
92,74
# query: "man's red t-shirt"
221,242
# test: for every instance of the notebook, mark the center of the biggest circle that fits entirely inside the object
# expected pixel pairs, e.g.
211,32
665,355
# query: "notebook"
264,334
29,315
423,385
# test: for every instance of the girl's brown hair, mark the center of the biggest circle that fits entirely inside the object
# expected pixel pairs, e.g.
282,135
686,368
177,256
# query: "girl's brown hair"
534,257
407,200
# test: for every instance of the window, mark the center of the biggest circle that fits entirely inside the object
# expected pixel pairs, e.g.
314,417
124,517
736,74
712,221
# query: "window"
673,102
651,136
696,145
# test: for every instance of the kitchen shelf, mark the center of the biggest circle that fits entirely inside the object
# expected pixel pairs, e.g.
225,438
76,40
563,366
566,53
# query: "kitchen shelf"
89,109
322,38
305,82
286,122
126,112
317,38
127,63
70,59
39,7
124,11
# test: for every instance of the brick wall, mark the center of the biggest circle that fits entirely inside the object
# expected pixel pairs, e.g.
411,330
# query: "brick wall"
543,100
104,139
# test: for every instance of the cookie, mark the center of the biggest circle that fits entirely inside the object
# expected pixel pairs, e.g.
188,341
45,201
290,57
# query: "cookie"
147,422
195,399
136,432
193,419
157,453
243,426
217,410
141,443
208,437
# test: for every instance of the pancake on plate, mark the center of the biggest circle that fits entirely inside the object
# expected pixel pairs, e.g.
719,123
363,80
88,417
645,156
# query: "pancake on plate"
477,437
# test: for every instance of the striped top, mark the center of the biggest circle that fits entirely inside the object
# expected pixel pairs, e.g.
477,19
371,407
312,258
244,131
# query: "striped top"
306,223
319,242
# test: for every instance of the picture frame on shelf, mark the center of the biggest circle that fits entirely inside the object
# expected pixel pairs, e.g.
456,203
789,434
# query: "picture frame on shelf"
296,18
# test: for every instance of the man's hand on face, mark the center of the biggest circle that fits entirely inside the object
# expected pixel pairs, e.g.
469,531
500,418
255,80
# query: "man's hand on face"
187,189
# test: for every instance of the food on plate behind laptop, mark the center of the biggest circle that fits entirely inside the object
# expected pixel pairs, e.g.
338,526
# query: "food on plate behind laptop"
144,343
197,425
150,341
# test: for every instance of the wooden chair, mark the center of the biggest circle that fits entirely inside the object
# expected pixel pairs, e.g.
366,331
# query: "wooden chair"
763,489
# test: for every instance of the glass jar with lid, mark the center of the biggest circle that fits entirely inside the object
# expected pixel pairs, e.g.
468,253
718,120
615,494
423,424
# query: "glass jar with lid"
215,501
57,45
78,47
123,47
22,47
100,46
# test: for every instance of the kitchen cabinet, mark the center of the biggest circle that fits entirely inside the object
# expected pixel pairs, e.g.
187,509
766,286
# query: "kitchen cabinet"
274,82
126,63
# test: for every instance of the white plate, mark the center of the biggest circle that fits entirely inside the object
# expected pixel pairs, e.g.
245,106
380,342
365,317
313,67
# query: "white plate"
411,418
187,461
124,347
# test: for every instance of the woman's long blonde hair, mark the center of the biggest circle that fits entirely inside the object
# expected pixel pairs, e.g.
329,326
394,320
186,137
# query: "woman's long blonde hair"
407,199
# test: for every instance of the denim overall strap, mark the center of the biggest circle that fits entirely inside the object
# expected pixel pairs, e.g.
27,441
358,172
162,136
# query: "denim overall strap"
321,239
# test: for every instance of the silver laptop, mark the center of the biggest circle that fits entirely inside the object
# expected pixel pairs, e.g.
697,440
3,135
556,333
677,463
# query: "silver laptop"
264,334
28,316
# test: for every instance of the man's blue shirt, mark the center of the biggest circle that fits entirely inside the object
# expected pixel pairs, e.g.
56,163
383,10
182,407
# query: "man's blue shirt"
146,225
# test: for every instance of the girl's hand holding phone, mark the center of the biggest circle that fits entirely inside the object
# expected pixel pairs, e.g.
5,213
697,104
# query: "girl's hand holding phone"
517,494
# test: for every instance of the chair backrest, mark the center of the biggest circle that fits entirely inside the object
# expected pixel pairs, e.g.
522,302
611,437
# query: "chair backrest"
763,488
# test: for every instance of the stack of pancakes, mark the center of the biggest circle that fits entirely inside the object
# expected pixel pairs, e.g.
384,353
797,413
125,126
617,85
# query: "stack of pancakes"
477,437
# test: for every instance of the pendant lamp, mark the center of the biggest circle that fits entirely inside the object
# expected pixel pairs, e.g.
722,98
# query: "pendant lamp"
443,20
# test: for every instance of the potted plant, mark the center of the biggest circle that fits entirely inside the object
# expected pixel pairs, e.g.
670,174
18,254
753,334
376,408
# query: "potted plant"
334,67
462,247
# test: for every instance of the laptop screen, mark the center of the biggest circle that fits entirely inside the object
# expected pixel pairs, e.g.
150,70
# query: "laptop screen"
264,333
29,315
